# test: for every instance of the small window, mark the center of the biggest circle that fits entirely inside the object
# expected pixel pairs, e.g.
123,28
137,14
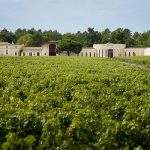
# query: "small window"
6,52
30,53
38,54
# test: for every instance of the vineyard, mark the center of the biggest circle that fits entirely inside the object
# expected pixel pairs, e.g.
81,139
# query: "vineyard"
142,61
74,103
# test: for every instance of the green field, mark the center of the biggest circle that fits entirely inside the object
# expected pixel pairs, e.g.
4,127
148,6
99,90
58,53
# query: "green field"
138,60
69,103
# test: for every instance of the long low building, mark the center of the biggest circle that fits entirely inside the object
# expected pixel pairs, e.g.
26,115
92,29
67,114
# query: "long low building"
49,49
113,50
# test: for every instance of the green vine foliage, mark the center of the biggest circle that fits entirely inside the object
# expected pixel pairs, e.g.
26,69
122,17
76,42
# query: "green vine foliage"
73,103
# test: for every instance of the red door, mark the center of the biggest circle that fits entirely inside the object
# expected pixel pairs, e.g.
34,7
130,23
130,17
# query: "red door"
52,50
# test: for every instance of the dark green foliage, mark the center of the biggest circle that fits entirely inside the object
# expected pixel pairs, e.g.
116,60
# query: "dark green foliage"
33,37
69,46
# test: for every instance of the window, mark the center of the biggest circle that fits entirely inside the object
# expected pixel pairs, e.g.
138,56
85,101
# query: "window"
38,54
30,53
129,53
6,52
90,54
15,53
94,54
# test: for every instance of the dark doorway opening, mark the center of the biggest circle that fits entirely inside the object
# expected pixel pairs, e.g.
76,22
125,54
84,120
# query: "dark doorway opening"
110,52
52,50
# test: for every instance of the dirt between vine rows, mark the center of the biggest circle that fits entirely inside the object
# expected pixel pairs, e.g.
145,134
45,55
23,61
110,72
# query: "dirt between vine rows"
136,65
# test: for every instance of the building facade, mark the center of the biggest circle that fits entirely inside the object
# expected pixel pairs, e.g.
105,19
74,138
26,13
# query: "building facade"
49,49
113,50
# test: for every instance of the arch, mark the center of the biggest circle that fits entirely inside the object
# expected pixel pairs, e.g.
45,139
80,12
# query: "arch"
134,54
102,52
30,53
94,54
38,53
125,53
15,53
129,53
86,54
99,53
24,54
52,49
90,54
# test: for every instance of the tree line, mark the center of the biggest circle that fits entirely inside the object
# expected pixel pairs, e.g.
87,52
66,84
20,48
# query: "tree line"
33,37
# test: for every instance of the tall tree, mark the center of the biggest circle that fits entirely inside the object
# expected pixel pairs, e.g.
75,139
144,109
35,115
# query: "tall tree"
26,40
91,37
19,32
6,36
105,36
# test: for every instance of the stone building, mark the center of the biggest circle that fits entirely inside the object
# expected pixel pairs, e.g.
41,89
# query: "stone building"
7,49
113,50
49,49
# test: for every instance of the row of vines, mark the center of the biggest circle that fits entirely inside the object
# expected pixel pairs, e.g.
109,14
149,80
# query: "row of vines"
69,103
139,60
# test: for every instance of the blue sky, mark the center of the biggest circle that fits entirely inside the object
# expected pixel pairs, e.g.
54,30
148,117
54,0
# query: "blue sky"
75,15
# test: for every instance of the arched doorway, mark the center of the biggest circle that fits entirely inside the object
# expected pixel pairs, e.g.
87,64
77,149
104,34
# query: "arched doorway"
52,50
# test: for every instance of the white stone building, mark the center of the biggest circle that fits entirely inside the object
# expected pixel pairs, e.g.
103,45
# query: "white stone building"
7,49
49,49
113,50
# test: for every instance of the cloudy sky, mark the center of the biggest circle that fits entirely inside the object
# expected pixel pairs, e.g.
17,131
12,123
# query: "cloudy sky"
75,15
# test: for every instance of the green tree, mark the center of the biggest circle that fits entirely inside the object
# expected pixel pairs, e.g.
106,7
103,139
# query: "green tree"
6,36
51,35
92,37
37,39
26,39
19,32
105,36
69,46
